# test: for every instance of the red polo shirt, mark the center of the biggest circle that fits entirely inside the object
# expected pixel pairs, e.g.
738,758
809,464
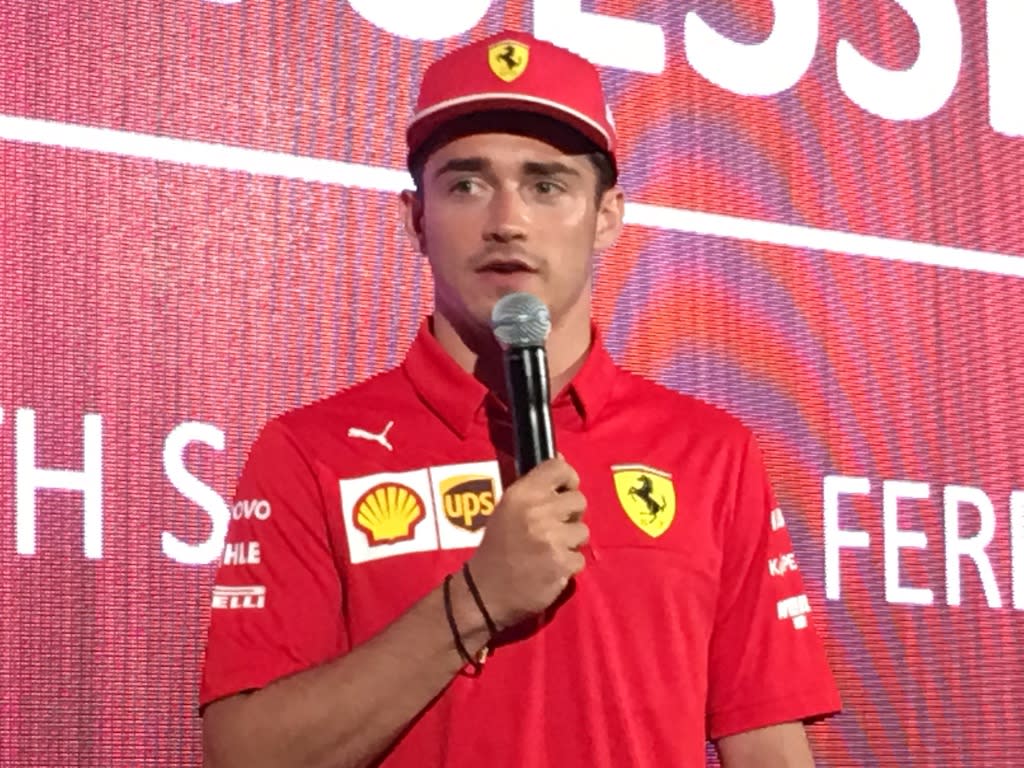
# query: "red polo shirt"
689,621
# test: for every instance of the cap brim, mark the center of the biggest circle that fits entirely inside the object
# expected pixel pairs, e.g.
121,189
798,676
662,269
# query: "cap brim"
427,121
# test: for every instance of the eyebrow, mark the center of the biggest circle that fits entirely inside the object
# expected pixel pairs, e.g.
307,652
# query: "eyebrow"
462,165
553,168
530,168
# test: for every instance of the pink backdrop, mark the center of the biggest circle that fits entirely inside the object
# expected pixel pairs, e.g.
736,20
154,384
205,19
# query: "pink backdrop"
199,230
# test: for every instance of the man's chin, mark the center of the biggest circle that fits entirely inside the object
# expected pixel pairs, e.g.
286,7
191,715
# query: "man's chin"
473,323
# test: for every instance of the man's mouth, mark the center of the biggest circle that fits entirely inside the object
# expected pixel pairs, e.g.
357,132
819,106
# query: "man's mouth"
506,266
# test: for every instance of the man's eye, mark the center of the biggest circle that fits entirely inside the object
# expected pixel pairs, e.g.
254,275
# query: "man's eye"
548,187
464,186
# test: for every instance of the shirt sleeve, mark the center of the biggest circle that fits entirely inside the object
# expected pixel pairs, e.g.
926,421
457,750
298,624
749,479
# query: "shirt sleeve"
276,600
767,664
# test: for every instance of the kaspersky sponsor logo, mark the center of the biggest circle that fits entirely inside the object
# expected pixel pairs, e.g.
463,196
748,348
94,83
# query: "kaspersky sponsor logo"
232,598
388,513
468,500
783,564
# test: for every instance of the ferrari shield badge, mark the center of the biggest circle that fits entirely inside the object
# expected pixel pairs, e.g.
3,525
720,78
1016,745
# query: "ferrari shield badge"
508,59
647,495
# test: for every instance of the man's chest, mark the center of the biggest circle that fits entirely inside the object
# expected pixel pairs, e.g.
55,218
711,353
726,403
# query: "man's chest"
403,515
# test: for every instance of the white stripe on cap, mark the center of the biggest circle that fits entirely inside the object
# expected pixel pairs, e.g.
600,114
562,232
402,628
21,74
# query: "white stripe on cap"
507,96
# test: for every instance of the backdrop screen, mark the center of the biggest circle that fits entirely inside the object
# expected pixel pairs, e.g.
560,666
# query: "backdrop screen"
199,230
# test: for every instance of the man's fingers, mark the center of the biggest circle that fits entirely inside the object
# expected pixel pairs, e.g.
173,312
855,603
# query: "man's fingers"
577,535
554,475
572,504
576,562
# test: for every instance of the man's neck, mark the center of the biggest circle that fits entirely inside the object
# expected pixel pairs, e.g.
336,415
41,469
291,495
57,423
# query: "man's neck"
475,350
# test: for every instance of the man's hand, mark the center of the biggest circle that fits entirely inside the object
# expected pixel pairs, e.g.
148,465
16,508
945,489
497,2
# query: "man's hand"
530,546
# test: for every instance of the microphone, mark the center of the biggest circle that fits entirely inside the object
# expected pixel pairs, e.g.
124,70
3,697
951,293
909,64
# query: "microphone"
521,323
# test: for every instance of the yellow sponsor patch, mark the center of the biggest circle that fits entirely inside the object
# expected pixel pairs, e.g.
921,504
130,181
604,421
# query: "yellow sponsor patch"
508,59
468,500
388,513
647,495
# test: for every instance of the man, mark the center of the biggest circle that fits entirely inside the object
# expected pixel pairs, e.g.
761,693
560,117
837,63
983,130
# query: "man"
345,628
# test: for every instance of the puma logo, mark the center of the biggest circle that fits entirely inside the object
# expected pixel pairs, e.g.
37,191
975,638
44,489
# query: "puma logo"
381,437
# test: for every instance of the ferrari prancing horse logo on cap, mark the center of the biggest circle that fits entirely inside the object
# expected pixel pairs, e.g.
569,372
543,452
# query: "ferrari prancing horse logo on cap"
647,495
508,59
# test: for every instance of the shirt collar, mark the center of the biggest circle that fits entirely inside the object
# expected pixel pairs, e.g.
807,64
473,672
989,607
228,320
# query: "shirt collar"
458,398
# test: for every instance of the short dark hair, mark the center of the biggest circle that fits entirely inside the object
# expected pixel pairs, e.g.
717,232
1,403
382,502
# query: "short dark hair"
607,176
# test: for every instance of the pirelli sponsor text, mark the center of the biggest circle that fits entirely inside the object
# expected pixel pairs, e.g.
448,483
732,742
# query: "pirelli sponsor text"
231,598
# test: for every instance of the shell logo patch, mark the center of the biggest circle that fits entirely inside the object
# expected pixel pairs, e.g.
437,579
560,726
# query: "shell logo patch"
388,513
647,495
468,500
508,59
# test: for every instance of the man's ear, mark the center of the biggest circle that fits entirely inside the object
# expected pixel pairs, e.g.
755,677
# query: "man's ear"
610,213
412,219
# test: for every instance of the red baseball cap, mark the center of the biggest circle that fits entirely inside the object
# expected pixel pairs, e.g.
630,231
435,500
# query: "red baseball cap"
513,71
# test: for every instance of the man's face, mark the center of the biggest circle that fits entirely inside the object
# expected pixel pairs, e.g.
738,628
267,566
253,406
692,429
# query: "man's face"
505,212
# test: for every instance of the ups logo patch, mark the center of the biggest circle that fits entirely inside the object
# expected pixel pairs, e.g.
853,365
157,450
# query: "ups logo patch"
468,500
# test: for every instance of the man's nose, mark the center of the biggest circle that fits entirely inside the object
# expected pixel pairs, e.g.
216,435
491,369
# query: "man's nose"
509,216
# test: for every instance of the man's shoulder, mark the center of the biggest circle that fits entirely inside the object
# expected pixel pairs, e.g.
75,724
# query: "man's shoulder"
387,392
670,406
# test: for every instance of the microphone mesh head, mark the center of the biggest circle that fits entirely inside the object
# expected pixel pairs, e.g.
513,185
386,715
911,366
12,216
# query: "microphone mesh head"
520,320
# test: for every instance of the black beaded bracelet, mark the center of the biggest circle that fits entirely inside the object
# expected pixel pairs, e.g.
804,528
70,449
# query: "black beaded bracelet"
446,589
492,628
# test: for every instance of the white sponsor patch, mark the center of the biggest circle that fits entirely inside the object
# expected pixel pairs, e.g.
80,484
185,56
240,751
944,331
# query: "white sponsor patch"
778,521
795,608
388,514
464,495
230,598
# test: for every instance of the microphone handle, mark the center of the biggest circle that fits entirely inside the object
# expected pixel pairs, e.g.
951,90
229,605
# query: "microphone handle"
526,377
